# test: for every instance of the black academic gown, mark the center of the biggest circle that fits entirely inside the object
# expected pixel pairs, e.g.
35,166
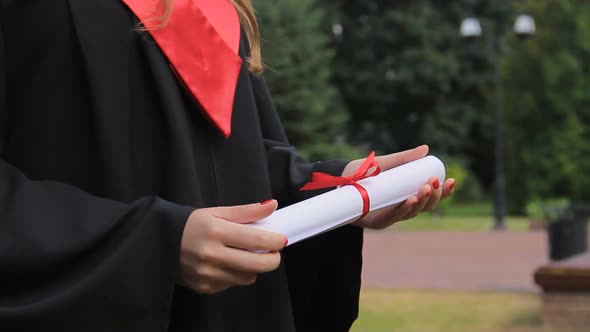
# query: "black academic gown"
103,157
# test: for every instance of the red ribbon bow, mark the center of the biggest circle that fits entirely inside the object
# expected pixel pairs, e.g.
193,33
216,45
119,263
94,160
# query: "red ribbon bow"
323,180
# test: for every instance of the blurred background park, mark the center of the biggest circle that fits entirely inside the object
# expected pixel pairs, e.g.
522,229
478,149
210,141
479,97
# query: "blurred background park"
500,91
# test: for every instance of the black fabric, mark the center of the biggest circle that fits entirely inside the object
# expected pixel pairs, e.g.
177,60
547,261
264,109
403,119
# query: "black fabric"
104,157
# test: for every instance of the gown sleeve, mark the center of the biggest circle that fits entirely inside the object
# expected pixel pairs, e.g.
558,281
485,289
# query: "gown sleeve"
324,272
70,261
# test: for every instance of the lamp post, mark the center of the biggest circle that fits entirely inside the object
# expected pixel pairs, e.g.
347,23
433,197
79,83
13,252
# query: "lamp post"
524,27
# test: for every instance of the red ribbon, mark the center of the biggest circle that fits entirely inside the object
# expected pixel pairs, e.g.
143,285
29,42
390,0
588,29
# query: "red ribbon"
369,168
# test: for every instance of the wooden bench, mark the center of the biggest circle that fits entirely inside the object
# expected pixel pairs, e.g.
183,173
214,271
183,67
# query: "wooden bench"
566,293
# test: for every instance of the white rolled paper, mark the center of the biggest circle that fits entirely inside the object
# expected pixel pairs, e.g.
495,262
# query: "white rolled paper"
344,205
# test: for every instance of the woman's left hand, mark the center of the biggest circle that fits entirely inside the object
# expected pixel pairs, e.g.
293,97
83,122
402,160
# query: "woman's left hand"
427,198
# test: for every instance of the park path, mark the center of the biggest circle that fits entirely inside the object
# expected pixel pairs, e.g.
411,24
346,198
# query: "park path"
488,261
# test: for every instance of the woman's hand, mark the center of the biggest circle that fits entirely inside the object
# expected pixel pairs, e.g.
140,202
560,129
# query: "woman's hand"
216,250
426,200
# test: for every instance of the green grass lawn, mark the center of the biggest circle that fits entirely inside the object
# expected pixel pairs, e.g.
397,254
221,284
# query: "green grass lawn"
442,311
481,209
471,217
450,311
426,222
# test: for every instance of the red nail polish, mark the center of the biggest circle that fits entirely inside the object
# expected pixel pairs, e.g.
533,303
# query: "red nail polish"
452,186
286,242
436,184
266,202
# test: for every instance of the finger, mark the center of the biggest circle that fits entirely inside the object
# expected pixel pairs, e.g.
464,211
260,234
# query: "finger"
436,195
423,195
391,216
433,200
196,283
448,188
396,159
209,288
245,213
249,238
249,262
219,275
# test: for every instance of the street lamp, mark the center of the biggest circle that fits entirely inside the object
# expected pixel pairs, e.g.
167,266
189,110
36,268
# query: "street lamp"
524,27
470,28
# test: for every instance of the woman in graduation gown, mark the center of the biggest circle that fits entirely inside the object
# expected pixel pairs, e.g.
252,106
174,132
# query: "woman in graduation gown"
119,143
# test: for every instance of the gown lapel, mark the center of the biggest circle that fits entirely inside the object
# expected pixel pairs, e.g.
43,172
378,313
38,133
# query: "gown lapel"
201,42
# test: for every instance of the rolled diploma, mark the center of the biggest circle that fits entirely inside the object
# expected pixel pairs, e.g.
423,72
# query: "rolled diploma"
344,205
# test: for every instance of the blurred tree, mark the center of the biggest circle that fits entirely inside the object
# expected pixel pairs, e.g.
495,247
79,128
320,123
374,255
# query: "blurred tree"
299,61
548,89
405,77
408,78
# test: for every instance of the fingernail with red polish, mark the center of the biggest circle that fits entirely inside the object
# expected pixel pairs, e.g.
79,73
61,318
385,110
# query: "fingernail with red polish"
286,242
452,186
266,202
436,184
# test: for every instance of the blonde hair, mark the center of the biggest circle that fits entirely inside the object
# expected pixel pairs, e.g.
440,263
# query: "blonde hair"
247,18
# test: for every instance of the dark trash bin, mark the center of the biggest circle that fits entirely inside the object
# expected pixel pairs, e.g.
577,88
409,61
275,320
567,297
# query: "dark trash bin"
567,238
568,234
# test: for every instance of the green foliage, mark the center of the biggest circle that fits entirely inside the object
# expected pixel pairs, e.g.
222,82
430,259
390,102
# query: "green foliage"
534,210
299,71
400,75
468,186
456,170
547,209
548,98
408,78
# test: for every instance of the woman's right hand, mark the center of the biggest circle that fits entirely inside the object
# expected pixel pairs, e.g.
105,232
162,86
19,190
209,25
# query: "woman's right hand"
217,248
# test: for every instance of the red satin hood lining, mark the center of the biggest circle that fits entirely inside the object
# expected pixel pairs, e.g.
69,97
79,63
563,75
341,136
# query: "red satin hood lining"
201,42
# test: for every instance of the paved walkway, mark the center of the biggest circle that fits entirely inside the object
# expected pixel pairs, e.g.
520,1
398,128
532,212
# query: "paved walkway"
497,261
